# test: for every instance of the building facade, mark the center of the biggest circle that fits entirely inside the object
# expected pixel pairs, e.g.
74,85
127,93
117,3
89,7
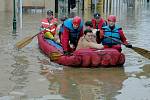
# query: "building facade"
7,5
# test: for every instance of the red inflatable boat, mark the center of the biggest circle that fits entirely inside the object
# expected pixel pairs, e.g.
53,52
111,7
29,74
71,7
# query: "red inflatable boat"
82,57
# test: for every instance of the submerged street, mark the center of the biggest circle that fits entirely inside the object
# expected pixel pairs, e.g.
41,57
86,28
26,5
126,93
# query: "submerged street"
22,77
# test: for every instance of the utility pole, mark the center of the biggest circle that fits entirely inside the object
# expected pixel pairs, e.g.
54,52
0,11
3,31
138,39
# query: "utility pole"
14,17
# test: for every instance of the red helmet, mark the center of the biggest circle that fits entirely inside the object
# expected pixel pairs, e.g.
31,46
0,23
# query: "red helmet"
112,18
76,20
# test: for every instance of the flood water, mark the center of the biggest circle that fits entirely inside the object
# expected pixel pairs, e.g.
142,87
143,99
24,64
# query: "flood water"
22,77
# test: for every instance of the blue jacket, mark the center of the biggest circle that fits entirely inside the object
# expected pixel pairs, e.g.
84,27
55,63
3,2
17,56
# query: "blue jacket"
74,33
111,33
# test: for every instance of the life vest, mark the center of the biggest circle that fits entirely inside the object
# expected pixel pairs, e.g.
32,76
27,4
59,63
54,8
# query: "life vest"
49,35
114,34
49,26
101,23
73,33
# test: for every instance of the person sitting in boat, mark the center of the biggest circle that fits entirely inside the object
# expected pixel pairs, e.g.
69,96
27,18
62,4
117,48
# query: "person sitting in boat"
98,22
88,40
73,30
49,25
112,35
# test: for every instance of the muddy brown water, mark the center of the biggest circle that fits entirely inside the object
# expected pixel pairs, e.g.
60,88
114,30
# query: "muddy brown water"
21,77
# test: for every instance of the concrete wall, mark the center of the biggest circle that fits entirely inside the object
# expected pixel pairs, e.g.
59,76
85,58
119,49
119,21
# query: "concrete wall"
50,4
7,5
33,2
2,5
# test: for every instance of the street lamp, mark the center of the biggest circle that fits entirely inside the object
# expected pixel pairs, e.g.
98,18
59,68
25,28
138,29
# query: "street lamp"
14,17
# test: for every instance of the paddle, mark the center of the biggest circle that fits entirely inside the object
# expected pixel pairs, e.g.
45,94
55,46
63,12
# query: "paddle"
25,41
145,53
28,39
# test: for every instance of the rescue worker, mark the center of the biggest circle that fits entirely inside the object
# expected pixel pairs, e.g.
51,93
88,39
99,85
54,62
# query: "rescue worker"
112,35
73,30
98,22
49,25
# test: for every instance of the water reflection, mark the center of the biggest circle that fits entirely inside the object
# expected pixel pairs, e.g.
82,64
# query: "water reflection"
86,84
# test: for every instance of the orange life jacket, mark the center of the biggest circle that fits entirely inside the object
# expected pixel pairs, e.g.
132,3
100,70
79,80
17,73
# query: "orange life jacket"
49,26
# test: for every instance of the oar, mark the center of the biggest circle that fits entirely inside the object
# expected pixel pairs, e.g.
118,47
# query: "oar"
28,39
25,41
145,53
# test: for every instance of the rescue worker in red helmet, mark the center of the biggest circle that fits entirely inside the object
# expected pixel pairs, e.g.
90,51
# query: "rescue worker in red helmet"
49,25
115,32
72,31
